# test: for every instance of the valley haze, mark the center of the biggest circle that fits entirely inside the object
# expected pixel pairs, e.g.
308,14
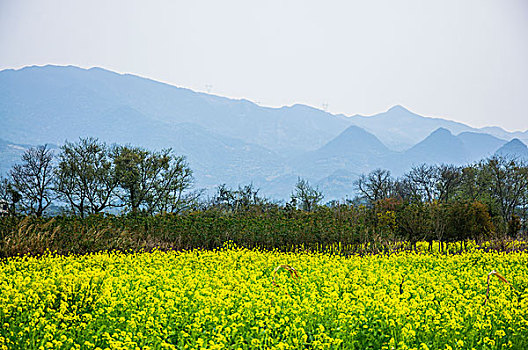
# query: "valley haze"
230,141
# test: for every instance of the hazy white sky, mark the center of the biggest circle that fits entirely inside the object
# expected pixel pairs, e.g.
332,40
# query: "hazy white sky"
465,60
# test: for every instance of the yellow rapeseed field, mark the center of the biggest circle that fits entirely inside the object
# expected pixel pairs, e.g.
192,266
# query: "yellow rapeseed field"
232,298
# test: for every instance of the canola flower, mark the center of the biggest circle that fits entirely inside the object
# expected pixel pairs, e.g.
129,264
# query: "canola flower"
233,299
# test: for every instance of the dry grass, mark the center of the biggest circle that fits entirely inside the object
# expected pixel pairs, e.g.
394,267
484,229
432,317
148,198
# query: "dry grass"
500,277
291,270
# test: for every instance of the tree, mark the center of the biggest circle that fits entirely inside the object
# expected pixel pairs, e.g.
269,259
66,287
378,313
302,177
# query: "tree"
241,199
9,194
448,179
152,181
305,196
224,198
414,221
172,188
404,190
422,180
32,179
384,212
375,186
467,220
523,210
508,179
474,183
246,197
439,223
86,177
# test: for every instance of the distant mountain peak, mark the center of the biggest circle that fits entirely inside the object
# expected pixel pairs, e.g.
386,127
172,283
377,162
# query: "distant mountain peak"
354,130
516,143
398,108
354,138
441,131
441,146
303,107
514,148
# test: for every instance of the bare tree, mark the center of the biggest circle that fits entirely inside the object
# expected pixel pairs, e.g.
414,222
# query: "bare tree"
423,182
9,195
404,190
305,196
242,199
32,179
474,183
448,179
172,190
378,184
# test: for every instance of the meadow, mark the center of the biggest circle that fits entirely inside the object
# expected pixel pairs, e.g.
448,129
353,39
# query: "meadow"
239,298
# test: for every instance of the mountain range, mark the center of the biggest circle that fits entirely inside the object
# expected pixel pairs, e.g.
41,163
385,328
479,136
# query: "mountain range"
227,140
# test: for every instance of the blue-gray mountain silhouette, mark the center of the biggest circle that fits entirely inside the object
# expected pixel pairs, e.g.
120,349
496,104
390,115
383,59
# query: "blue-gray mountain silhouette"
226,140
478,145
441,146
51,104
10,154
514,149
354,149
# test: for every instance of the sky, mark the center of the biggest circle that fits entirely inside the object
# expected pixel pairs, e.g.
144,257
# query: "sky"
464,60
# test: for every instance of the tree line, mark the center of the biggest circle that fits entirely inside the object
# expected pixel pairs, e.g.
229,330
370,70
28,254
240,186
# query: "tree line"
498,184
441,203
90,177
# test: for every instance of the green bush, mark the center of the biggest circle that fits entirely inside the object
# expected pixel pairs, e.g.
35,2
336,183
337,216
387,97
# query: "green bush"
346,229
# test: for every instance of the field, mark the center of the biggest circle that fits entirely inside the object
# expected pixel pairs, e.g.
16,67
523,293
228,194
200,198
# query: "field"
237,298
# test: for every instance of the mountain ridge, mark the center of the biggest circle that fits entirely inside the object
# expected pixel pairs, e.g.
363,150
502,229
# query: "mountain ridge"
230,141
487,129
